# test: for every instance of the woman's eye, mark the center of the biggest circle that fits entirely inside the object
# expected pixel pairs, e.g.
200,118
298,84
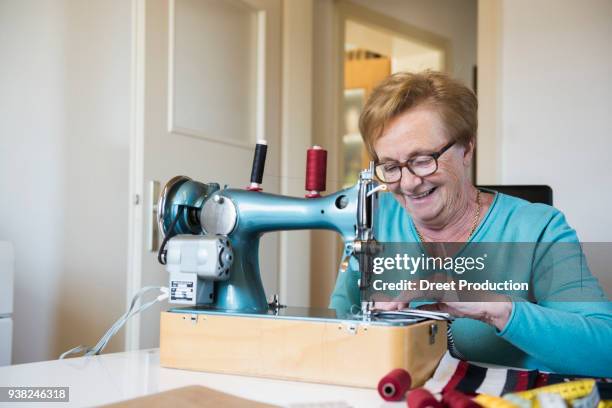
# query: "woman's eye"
390,167
422,161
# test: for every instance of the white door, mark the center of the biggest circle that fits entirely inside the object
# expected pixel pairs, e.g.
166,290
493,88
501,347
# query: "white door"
206,87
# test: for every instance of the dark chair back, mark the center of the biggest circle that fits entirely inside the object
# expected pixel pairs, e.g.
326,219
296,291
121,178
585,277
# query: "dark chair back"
535,194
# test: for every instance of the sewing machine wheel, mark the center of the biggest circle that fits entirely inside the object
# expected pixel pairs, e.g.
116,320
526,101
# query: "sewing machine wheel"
182,200
164,204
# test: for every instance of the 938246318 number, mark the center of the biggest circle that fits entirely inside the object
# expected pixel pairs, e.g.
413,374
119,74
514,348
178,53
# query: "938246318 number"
31,394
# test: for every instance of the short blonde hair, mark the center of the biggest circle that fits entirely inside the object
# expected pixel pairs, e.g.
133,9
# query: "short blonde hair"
455,103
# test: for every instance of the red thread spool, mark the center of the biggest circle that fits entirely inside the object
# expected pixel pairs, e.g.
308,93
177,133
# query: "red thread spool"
393,386
316,171
421,398
457,399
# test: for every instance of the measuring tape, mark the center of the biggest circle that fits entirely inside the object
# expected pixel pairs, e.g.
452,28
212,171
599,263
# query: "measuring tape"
569,391
579,394
490,401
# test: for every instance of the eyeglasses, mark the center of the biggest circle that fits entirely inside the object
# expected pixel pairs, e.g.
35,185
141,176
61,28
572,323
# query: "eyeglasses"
421,166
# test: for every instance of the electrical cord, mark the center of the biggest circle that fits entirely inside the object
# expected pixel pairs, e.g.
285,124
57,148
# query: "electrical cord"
452,347
161,255
132,310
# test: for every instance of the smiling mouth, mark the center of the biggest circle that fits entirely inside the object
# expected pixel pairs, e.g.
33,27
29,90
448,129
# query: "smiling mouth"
423,194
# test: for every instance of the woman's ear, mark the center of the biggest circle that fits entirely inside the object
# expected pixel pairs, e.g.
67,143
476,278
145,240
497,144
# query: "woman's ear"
468,154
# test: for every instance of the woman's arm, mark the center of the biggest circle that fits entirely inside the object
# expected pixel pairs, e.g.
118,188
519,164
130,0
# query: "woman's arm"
569,328
569,337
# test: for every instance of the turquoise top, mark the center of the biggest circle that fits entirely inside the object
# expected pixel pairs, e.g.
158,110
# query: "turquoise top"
545,333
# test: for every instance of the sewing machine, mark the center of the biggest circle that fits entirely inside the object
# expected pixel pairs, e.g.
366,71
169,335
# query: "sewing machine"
226,324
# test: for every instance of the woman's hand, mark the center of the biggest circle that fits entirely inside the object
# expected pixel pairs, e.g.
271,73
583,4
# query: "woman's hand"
491,308
390,305
495,313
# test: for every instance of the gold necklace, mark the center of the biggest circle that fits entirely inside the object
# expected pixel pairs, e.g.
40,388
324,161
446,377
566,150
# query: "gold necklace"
474,224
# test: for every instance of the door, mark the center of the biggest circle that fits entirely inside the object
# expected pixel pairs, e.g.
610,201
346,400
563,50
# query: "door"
206,87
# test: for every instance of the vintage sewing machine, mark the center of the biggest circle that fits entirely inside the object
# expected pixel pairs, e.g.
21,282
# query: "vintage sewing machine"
227,325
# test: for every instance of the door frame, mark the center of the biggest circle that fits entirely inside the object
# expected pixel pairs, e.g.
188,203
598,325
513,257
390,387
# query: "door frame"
136,169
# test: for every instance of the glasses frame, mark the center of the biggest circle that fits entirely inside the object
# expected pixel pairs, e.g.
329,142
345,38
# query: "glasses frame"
407,164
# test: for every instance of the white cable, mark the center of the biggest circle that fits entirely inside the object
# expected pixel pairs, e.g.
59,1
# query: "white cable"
381,187
97,349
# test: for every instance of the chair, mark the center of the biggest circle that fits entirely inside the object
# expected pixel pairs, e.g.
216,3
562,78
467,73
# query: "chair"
535,193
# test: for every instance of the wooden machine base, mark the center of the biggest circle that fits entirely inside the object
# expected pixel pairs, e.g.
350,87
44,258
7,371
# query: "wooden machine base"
344,352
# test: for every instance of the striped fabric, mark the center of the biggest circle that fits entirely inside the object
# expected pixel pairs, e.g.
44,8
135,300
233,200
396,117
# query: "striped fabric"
472,379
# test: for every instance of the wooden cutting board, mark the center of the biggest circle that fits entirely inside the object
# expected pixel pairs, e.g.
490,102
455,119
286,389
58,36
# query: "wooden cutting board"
191,396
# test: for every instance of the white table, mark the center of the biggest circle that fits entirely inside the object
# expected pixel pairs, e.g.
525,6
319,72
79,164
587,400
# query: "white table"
120,376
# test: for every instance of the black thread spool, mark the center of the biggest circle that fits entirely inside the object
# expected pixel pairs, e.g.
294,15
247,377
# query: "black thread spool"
259,163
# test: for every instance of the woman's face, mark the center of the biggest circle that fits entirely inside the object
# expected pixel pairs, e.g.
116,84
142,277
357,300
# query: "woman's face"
435,198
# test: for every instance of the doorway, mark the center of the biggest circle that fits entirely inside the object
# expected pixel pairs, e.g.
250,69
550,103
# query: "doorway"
373,50
367,47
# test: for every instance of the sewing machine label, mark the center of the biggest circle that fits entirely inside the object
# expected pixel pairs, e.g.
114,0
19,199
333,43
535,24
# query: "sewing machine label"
181,291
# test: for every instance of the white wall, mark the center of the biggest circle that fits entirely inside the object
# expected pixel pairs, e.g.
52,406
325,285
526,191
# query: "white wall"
64,123
545,69
557,107
554,85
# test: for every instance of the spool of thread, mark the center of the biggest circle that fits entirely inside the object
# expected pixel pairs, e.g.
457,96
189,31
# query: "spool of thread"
316,171
457,399
421,398
393,386
259,163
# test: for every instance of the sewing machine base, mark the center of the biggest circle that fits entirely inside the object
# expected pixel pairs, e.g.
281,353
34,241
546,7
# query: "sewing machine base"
300,344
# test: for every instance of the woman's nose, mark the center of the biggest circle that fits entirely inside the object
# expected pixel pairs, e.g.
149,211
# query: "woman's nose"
409,181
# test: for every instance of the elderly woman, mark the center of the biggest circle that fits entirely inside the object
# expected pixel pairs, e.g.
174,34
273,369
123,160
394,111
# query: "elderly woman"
420,129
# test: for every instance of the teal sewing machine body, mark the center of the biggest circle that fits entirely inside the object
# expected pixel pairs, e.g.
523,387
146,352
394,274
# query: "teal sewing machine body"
238,218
